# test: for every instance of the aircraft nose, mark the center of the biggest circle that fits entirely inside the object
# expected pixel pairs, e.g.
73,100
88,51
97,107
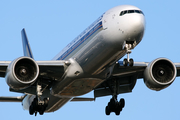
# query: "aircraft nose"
139,23
136,27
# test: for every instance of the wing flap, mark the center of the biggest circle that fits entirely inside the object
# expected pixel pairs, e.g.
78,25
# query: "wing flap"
137,68
178,68
123,84
79,99
126,79
52,69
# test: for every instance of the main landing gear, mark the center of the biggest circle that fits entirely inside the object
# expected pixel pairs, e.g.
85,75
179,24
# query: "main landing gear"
39,103
38,106
115,106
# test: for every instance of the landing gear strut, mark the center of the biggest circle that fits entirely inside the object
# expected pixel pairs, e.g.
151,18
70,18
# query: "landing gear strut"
128,46
128,61
115,106
39,104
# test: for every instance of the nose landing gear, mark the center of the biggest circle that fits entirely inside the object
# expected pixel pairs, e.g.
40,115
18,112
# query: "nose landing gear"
128,61
128,46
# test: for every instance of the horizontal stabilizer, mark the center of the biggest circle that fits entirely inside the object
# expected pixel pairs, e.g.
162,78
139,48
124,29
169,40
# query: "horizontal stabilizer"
12,99
76,99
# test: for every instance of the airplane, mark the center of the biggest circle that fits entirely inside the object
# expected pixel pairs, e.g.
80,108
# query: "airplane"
91,62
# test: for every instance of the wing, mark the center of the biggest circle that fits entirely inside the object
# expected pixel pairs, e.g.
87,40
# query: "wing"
123,78
3,67
126,76
50,69
178,68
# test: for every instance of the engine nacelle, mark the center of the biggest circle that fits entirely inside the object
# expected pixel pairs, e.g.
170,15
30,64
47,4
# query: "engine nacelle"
159,74
21,73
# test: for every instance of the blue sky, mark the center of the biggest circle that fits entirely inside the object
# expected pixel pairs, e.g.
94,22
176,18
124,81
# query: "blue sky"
51,25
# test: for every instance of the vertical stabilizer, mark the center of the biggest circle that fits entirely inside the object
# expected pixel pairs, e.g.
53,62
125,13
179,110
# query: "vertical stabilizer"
26,47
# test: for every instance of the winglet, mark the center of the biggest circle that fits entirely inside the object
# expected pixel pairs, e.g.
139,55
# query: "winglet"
26,46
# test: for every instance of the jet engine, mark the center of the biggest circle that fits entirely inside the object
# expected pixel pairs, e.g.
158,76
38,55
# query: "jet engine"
21,73
159,74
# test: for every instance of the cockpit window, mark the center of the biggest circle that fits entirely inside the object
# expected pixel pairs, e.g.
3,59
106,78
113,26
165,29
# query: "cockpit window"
137,11
130,11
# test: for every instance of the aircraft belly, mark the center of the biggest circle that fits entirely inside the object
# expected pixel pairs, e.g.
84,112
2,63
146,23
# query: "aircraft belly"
56,103
80,86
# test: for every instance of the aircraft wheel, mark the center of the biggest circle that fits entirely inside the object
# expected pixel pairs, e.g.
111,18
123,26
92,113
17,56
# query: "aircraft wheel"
41,112
122,103
115,106
118,111
31,110
107,110
125,62
35,102
131,62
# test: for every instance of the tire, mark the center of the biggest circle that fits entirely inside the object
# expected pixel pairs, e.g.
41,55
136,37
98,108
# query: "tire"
35,102
118,111
107,110
131,62
122,103
31,110
41,111
125,62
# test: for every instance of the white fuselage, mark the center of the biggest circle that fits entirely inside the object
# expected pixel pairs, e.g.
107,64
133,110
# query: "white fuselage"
94,52
102,42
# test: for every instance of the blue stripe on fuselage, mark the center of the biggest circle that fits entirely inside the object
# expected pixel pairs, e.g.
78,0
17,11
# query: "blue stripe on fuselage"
90,31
